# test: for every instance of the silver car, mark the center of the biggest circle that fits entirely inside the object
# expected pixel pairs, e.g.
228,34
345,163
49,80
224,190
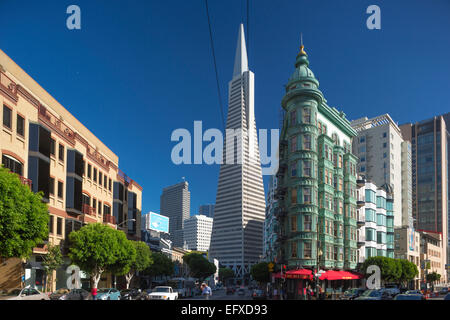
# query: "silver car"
24,294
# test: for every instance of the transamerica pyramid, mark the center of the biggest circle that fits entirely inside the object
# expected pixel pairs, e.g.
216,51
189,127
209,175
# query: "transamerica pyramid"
237,235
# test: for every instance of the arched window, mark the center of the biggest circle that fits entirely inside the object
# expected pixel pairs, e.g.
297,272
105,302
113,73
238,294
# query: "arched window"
12,164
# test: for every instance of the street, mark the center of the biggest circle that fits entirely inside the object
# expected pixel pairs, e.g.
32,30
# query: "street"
221,295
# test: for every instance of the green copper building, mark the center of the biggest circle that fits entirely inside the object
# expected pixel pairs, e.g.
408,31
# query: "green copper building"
316,179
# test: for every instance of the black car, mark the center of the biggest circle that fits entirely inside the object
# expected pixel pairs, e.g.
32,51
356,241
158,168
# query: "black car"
402,296
130,294
351,294
74,294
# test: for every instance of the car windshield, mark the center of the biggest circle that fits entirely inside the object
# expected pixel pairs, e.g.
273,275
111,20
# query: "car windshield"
408,297
372,293
161,290
13,292
61,291
103,290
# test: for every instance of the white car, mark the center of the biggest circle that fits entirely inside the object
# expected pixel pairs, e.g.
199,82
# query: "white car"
24,294
163,293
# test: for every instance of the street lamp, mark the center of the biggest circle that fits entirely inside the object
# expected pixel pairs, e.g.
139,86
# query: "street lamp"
126,221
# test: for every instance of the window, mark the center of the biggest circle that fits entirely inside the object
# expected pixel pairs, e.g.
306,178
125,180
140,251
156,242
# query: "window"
52,186
12,164
293,117
7,114
106,209
307,168
384,144
109,187
307,250
340,161
105,181
94,205
294,196
294,144
99,207
293,249
59,226
95,174
89,168
306,223
52,147
294,169
307,142
61,153
362,139
306,195
100,178
384,134
306,115
50,224
20,126
363,168
294,223
60,189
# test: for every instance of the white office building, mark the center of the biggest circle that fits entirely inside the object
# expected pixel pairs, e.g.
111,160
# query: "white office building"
197,232
385,158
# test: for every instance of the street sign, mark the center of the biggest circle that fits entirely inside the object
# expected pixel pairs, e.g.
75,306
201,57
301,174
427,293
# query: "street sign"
270,265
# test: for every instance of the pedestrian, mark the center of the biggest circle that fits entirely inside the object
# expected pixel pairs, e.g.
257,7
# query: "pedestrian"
309,292
94,293
305,293
206,291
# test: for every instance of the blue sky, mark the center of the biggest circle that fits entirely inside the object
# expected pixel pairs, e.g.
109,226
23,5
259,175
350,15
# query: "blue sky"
137,70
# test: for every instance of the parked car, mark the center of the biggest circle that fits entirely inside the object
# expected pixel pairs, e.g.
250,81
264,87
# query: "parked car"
259,294
351,294
23,294
74,294
414,292
380,294
132,294
108,294
409,297
447,296
241,292
230,290
163,293
443,291
393,291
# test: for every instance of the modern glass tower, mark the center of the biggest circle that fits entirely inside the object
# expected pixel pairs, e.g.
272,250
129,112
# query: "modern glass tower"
316,178
237,236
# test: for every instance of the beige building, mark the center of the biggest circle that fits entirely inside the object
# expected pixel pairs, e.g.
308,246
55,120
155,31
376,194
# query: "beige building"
431,252
407,246
54,153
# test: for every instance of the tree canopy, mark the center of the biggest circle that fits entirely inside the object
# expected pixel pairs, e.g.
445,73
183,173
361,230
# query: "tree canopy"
226,273
143,259
199,266
96,248
23,217
392,270
260,272
162,265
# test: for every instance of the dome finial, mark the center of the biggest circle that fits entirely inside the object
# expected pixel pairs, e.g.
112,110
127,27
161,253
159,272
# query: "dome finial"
302,47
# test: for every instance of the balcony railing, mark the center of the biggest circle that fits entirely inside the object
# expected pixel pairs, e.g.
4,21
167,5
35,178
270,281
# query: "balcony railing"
25,181
109,219
87,209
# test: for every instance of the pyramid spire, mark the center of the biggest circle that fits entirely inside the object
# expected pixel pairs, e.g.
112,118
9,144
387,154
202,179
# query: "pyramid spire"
240,60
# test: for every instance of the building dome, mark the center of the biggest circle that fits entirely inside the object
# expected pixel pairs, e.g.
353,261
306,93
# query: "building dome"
302,71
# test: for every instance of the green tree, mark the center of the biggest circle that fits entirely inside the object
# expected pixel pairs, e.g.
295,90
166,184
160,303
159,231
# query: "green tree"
51,261
433,277
390,268
225,274
23,217
162,265
126,255
409,271
96,248
199,266
260,272
142,261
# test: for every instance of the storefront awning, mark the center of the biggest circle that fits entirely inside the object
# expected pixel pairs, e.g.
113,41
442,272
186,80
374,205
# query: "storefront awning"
295,274
340,275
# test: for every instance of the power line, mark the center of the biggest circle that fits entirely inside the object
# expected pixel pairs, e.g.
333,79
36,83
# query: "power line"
215,65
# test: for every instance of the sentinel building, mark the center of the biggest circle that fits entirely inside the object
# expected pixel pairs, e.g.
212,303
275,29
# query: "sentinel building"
175,203
237,236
